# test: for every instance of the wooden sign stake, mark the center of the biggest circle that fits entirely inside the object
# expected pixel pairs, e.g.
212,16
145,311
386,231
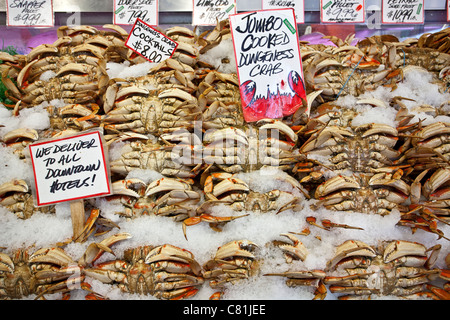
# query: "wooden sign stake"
77,213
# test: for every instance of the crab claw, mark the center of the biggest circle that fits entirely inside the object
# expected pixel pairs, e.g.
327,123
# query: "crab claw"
398,249
6,264
123,187
52,255
350,248
280,126
238,248
437,180
13,186
95,250
293,251
169,252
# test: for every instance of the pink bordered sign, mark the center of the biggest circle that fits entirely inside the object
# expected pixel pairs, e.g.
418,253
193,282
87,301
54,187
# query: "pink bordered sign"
297,5
23,13
342,11
126,12
268,62
403,12
208,12
448,10
150,43
70,168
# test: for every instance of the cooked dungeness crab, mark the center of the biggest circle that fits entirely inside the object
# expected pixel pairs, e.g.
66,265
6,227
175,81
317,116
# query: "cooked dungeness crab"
269,143
169,160
430,201
439,40
379,193
73,68
169,197
219,97
327,73
73,83
226,188
44,271
296,250
367,148
165,272
398,268
430,146
140,110
16,196
70,119
237,193
19,139
47,270
232,262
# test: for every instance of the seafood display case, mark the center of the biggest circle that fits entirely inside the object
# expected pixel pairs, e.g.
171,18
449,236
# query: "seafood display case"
344,197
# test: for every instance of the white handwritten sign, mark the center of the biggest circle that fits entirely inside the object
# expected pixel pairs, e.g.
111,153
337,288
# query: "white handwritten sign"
29,13
70,168
338,11
208,12
297,5
150,43
402,11
127,11
268,61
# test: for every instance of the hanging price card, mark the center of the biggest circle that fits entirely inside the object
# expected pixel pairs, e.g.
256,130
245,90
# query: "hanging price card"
150,43
70,168
297,5
127,11
34,13
208,12
269,64
403,11
338,11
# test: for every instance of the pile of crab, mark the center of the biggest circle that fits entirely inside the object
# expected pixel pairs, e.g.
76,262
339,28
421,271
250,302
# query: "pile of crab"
211,194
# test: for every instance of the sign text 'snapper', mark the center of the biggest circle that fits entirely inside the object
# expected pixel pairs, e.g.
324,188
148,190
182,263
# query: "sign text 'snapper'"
29,13
70,168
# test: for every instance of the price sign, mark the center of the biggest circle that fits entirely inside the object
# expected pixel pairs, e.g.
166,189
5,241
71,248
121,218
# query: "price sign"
70,168
403,12
268,61
208,12
34,13
338,11
150,43
297,5
127,11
